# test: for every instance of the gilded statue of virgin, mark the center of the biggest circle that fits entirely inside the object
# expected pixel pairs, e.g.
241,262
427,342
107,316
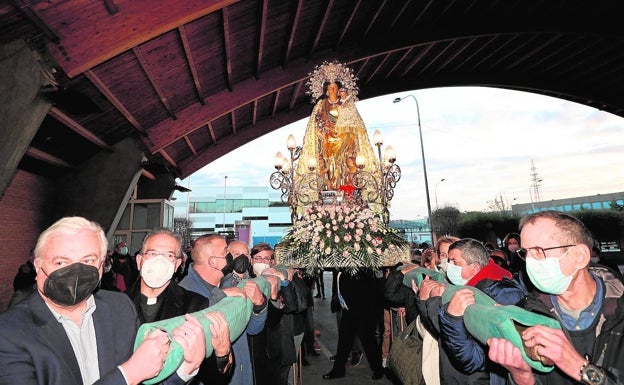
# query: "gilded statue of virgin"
335,134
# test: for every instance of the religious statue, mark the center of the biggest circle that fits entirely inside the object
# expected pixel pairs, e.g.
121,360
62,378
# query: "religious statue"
335,134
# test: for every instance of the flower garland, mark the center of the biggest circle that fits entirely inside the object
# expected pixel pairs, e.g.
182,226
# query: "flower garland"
341,236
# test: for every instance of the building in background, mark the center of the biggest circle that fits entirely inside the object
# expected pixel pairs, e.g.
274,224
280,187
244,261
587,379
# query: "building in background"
250,214
590,202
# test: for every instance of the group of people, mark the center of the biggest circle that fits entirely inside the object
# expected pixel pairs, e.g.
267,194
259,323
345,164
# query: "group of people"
548,269
69,330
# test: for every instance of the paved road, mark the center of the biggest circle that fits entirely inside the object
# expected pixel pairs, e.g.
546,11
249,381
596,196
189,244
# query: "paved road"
325,321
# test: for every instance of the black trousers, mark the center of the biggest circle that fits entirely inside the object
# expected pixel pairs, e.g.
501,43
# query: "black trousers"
362,324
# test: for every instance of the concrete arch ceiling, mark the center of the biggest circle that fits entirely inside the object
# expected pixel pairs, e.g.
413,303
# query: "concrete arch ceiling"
195,80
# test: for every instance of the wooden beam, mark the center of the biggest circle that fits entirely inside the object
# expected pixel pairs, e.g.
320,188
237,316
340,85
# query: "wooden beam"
398,62
147,174
45,157
293,99
321,27
113,99
90,35
348,23
227,46
190,145
255,112
262,32
191,62
233,121
291,37
196,116
78,128
213,136
400,13
150,77
168,158
277,95
35,17
375,16
379,66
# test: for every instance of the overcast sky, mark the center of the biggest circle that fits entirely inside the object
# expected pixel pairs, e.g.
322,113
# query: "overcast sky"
480,140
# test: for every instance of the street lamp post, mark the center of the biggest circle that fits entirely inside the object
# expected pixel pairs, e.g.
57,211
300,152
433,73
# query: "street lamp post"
422,151
436,191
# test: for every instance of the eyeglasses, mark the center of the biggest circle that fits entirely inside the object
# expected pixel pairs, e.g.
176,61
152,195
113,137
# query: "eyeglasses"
154,253
262,259
537,252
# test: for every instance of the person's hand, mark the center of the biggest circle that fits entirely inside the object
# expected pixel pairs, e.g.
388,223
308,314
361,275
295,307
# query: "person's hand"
430,288
460,301
400,311
253,292
409,267
506,354
274,286
148,359
190,335
271,271
235,292
220,331
553,345
291,273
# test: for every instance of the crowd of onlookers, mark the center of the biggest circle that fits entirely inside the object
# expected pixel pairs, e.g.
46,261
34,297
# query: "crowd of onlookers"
76,310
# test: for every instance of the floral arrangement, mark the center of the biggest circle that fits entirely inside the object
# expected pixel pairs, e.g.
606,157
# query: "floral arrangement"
341,236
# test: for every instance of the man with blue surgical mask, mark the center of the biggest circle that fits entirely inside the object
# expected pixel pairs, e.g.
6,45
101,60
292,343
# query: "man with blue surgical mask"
462,359
585,298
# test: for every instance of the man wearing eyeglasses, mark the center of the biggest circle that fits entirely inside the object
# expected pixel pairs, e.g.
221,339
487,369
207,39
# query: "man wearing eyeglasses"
157,296
585,298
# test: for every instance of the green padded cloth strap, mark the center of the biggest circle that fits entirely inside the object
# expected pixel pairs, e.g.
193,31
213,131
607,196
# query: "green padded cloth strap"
419,273
485,319
236,310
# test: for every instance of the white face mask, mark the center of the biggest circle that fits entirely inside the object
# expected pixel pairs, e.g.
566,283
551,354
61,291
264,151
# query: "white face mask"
157,271
443,264
454,274
259,267
547,276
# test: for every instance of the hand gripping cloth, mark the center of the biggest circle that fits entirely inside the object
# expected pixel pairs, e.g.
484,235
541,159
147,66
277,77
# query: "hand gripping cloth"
236,310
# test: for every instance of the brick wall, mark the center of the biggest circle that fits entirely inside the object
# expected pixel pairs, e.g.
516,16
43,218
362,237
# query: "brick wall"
24,212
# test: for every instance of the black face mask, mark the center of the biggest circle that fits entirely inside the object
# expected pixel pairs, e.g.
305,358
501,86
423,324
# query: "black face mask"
229,265
241,264
71,284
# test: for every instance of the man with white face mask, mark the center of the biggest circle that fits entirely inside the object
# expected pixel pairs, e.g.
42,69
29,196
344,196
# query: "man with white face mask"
157,296
585,298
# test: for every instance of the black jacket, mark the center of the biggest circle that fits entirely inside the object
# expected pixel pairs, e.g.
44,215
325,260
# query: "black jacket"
608,351
178,301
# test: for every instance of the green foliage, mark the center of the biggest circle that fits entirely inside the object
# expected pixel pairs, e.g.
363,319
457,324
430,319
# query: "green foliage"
605,225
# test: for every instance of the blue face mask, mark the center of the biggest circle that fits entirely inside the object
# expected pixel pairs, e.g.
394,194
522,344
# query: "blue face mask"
454,274
547,276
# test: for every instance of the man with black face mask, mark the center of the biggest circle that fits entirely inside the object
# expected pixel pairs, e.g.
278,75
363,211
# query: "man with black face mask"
65,334
211,262
241,264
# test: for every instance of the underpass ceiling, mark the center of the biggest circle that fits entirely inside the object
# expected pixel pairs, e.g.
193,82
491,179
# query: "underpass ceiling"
193,81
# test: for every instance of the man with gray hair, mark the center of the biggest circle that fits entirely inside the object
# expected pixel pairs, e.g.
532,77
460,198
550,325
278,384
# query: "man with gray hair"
68,333
157,296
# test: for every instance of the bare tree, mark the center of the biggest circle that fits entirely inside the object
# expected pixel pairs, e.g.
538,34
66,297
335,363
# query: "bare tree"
499,204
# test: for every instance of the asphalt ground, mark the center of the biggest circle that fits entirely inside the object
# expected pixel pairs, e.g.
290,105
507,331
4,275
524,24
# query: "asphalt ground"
325,322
